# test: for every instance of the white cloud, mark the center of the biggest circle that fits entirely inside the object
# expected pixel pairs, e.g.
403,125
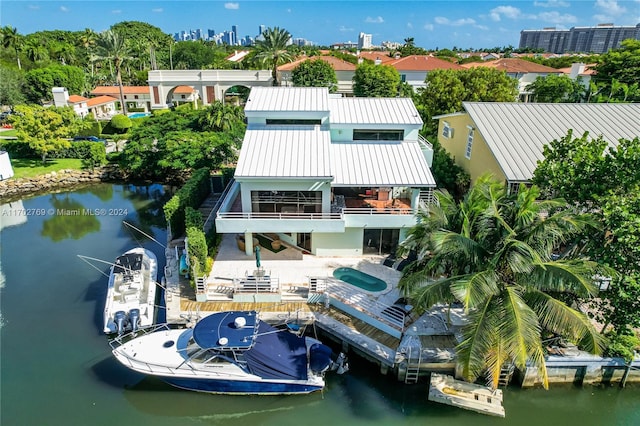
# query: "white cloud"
116,12
602,18
345,29
557,18
64,9
376,20
457,23
34,7
551,3
428,27
157,10
409,25
232,6
507,11
482,27
610,7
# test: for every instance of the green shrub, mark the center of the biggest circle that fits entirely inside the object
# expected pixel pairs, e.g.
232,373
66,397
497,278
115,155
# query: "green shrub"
192,194
18,149
121,123
93,151
622,345
196,246
192,218
97,156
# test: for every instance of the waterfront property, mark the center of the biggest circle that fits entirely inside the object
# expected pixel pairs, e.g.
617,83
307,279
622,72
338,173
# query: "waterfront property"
332,176
507,139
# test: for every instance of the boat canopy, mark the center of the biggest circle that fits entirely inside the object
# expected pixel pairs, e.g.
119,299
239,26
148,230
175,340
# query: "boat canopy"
277,354
129,262
226,330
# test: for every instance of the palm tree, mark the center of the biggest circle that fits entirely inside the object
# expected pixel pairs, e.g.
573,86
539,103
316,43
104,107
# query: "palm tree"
111,47
493,253
272,50
11,38
35,50
220,118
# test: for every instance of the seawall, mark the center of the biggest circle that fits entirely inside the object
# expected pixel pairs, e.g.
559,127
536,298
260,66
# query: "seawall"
62,179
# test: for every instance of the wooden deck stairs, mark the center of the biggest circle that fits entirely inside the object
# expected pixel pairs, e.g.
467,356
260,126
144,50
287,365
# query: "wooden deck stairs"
506,373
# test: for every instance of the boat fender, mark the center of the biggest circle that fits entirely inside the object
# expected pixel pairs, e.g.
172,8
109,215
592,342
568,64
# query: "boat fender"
134,319
120,319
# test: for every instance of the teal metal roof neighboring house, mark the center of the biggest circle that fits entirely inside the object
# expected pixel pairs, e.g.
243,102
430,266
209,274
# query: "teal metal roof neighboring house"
282,152
298,99
373,111
517,132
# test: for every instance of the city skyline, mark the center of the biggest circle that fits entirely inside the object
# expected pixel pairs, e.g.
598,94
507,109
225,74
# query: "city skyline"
431,24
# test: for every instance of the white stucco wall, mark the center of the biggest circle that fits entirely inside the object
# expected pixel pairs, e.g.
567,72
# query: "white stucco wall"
348,243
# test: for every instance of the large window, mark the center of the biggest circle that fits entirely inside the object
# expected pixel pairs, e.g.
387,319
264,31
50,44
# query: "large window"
380,241
286,201
378,135
293,122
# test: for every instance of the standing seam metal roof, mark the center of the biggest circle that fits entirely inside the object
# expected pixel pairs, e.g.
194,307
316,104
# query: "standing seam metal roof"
373,111
287,99
517,132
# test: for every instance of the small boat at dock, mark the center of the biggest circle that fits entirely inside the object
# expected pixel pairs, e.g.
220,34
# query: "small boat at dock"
231,352
447,390
131,293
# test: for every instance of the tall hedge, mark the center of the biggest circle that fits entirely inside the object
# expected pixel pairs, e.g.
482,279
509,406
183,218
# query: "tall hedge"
81,149
192,194
197,249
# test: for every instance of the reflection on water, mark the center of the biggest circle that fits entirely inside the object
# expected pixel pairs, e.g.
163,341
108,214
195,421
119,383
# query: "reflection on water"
68,218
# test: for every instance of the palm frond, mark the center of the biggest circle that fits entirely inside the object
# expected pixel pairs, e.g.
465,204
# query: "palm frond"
564,276
428,294
561,319
473,289
520,328
448,246
480,339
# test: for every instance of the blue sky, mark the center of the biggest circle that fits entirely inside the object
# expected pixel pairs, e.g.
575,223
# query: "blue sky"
442,24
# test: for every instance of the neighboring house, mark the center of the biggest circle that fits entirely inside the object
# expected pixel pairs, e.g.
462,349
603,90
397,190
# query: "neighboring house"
344,71
334,176
101,107
378,57
237,56
584,71
138,98
413,69
522,70
507,139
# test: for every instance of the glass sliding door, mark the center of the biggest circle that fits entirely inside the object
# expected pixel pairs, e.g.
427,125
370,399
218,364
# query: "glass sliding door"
380,241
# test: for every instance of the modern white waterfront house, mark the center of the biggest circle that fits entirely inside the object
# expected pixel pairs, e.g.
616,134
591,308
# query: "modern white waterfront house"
333,176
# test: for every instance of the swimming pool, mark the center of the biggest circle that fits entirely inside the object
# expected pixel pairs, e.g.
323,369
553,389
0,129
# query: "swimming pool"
359,279
139,114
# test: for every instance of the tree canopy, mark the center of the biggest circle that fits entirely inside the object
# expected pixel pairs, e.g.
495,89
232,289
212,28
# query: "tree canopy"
272,51
315,73
622,65
377,81
557,88
597,177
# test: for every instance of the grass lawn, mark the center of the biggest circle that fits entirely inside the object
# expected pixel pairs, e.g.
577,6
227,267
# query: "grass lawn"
11,133
29,167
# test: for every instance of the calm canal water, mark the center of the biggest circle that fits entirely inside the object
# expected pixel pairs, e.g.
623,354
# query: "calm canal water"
57,369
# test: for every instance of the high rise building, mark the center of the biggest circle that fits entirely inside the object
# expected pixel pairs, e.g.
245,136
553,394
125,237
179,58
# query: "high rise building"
261,29
234,30
211,34
364,41
598,39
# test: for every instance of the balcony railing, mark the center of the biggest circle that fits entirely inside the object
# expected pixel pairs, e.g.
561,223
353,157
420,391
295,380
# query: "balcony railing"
377,211
281,215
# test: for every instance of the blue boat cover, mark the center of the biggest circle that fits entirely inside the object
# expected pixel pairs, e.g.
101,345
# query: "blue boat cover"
277,354
219,330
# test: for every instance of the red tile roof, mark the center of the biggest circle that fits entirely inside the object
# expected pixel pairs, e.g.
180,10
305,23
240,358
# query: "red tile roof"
423,63
75,99
336,64
100,100
382,56
114,90
184,89
514,65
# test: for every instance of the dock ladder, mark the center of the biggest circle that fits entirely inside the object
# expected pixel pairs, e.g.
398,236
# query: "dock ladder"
201,284
413,368
506,373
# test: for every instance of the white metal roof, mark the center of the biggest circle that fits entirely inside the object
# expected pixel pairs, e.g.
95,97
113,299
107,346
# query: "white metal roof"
517,132
284,152
379,164
287,99
373,111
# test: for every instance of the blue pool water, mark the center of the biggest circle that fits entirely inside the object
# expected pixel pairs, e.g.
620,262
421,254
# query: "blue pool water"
359,279
139,115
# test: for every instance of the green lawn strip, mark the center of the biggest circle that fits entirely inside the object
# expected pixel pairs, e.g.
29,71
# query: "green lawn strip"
8,133
30,167
266,243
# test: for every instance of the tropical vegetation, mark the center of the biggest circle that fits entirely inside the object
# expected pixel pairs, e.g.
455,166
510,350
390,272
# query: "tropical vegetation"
496,254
